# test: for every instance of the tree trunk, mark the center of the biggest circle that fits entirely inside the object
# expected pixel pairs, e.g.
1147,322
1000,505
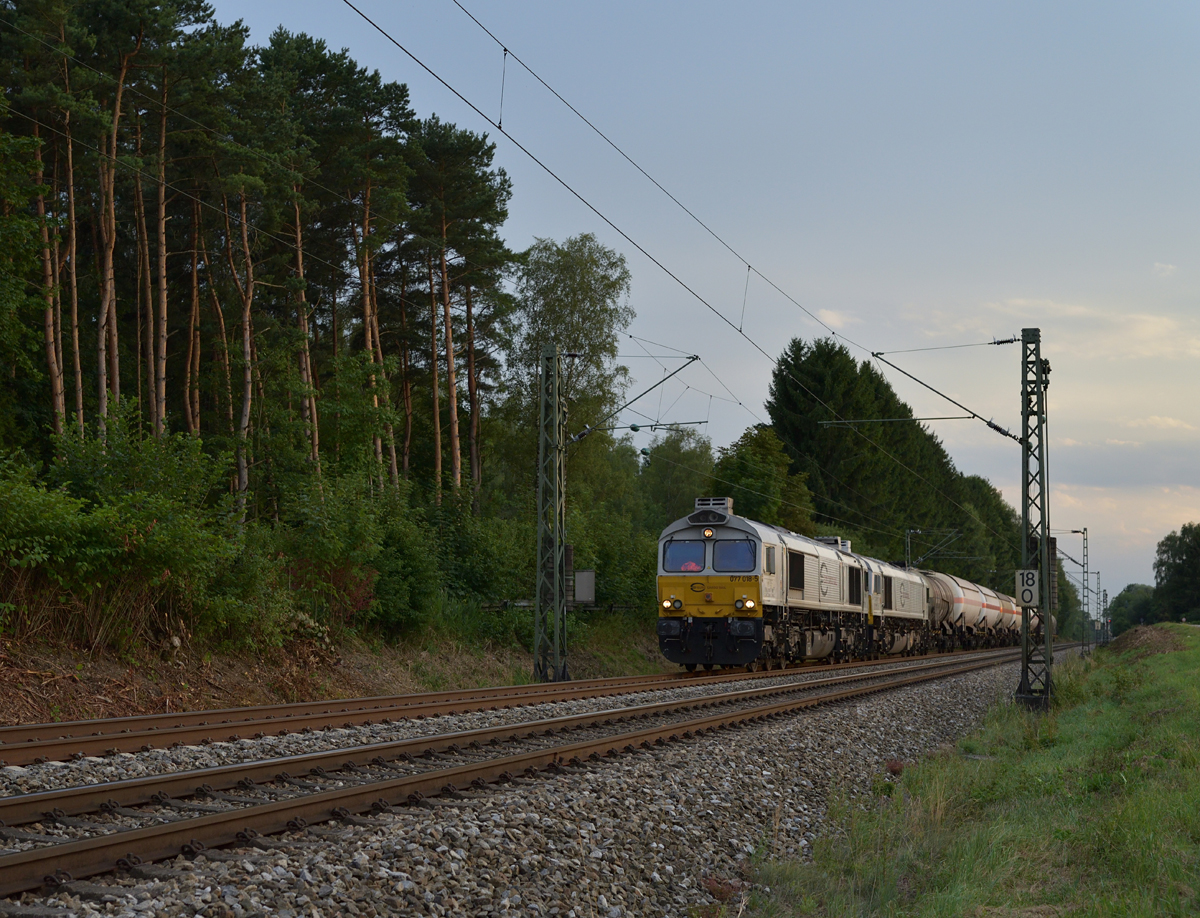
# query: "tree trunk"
141,279
191,373
101,328
451,382
433,367
72,271
57,264
56,387
220,316
246,289
473,398
368,326
108,356
337,388
159,393
145,297
393,470
308,401
405,380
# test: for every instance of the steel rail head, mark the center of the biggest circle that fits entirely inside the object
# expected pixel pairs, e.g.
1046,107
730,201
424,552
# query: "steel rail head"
100,854
44,742
72,801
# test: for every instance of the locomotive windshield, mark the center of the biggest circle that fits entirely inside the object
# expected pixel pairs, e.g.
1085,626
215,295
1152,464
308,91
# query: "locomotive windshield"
734,556
686,555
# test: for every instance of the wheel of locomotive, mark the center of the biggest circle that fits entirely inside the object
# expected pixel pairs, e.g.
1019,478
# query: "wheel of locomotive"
690,667
708,667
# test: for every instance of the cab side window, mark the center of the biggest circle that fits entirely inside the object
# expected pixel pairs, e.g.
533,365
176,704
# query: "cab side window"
769,564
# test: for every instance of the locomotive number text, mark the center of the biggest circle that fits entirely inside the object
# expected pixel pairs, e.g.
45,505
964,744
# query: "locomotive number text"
746,578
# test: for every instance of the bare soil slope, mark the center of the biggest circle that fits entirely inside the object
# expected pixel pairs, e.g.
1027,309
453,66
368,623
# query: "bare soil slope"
41,684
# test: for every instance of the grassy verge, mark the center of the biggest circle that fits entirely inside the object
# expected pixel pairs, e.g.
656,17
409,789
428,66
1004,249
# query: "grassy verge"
1092,809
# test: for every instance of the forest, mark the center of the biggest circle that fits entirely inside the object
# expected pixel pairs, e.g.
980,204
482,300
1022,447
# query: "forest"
1175,595
268,366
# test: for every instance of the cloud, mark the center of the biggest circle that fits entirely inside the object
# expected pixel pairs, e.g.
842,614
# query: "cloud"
1163,270
1095,333
1162,423
835,319
1113,442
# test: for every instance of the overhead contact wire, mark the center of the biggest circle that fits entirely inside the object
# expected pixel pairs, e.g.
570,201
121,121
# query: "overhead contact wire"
624,235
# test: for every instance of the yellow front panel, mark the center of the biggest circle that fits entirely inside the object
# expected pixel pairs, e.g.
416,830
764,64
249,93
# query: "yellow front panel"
707,595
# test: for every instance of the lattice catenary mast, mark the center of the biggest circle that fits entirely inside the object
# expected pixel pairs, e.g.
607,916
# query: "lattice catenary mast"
550,601
1036,656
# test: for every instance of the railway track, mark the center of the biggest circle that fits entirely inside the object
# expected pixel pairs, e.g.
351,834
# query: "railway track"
57,837
37,743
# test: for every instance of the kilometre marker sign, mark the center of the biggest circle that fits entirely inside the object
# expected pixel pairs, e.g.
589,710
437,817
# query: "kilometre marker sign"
1027,588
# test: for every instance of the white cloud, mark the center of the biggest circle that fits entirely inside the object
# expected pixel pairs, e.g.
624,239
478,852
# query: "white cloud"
1113,442
835,319
1162,269
1085,331
1162,423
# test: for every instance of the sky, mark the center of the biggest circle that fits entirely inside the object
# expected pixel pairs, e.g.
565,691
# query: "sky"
914,175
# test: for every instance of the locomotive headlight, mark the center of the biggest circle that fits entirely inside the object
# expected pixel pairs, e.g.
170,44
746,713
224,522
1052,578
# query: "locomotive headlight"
749,603
666,603
708,533
738,604
678,604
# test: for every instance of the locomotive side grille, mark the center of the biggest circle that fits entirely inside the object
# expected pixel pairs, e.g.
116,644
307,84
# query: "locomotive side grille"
812,577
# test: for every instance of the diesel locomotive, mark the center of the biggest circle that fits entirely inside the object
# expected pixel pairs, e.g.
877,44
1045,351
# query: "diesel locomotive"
735,592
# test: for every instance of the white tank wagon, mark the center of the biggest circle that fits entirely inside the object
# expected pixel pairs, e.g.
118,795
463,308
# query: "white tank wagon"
737,592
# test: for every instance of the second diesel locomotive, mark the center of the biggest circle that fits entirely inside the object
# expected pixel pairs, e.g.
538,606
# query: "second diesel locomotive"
735,592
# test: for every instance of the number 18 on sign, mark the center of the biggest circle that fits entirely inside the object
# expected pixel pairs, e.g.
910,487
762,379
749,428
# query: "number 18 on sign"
1027,588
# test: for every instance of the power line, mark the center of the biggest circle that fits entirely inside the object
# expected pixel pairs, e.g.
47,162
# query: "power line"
950,347
990,423
624,235
708,229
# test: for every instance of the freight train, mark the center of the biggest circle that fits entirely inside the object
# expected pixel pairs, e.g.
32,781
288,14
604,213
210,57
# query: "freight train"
735,592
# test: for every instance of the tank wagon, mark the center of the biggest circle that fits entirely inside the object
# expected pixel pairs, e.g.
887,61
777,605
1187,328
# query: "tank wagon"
736,592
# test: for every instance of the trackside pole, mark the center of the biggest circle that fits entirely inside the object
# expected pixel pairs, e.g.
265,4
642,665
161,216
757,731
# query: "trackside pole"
550,600
1036,656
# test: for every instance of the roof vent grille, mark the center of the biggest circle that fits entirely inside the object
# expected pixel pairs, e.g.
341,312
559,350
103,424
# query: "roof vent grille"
835,542
724,504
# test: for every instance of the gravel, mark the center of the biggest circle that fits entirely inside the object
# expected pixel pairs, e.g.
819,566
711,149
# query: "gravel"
647,834
17,779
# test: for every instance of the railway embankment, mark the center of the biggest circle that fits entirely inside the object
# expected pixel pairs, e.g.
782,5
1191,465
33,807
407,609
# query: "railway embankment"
676,829
1093,809
43,681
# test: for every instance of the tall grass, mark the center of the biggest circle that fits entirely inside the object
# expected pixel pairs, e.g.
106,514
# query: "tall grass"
1090,809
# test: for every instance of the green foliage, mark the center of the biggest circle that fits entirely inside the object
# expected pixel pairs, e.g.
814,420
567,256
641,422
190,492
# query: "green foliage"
1177,575
876,481
674,475
1134,605
1176,593
573,294
758,470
